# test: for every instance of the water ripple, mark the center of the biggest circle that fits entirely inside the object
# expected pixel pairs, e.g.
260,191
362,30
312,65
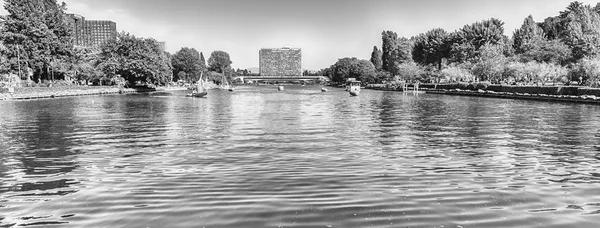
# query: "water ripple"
301,158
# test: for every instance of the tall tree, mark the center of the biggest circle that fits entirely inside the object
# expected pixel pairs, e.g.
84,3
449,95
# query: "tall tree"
40,33
189,61
526,37
395,51
431,47
376,58
389,50
578,27
219,61
466,42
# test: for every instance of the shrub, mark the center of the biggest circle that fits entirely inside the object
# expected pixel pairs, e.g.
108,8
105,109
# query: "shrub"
588,70
409,71
457,74
533,72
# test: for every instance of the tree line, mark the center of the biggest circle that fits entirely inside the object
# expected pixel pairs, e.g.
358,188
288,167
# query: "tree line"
561,49
37,43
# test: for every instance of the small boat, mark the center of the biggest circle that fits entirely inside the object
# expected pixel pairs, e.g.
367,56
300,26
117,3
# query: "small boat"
280,88
226,85
353,87
323,90
200,90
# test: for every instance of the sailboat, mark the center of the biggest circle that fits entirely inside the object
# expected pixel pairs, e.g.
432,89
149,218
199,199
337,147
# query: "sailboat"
200,90
225,84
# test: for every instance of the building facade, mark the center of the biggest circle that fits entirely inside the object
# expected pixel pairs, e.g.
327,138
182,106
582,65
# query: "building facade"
280,61
91,33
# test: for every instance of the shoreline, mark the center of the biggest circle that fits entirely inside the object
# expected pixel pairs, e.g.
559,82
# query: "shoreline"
37,93
572,94
587,99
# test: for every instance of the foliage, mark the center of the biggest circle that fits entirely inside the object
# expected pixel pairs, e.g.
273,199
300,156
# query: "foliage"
409,71
186,60
466,42
588,69
136,60
345,68
533,72
581,24
491,63
38,32
4,63
219,61
84,64
578,27
457,73
376,56
526,37
548,51
431,47
395,51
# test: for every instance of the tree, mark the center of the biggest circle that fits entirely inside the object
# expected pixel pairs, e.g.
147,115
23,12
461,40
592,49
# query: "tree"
38,29
588,69
376,58
431,47
187,60
466,42
137,60
548,51
526,37
409,71
389,50
491,64
352,68
578,27
84,64
219,61
395,51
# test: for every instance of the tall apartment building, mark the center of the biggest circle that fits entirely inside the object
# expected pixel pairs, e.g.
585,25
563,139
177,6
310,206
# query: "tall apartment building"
280,61
90,33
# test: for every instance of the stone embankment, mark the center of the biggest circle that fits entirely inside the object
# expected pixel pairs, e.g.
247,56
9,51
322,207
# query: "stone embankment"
577,94
29,93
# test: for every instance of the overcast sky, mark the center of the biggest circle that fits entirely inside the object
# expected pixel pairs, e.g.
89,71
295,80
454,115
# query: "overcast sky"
326,30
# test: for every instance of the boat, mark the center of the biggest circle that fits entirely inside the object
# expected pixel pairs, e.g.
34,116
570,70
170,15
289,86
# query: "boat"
353,87
199,90
225,85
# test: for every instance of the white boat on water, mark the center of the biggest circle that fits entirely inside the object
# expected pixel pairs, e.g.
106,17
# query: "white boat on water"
353,87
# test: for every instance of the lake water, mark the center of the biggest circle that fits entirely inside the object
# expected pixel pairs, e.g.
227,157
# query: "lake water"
299,158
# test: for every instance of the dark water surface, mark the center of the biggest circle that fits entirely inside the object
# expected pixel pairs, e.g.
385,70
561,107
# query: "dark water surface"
301,158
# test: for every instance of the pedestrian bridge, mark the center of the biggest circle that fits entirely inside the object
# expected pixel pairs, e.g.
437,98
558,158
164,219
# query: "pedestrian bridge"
279,78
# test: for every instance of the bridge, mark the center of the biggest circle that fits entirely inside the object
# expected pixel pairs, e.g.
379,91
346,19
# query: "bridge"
246,79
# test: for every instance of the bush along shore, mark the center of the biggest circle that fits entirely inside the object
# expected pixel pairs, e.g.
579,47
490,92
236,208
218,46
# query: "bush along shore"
29,93
548,93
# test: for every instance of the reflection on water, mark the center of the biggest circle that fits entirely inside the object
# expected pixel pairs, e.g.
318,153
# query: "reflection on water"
300,158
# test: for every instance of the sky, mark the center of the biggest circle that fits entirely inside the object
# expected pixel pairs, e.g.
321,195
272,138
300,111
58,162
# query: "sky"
325,30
